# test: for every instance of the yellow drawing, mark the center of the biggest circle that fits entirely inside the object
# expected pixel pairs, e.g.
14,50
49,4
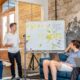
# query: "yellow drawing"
28,37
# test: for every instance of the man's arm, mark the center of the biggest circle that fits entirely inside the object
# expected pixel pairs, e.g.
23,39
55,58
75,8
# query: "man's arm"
8,45
22,42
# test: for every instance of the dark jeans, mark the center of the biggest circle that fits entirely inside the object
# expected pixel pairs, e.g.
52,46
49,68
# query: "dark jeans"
75,73
12,58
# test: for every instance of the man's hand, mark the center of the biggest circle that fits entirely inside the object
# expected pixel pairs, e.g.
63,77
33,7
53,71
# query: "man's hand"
9,45
68,48
23,42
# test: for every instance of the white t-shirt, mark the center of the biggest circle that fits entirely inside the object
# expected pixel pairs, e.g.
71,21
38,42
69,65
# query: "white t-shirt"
12,39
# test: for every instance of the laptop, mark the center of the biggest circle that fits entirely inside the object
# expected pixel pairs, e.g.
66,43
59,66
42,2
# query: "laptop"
77,61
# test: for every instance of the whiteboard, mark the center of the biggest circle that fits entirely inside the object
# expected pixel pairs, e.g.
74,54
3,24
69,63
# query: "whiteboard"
45,35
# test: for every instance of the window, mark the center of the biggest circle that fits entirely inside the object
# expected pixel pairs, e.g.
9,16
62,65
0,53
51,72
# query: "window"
11,18
5,6
11,3
6,20
4,24
8,5
8,15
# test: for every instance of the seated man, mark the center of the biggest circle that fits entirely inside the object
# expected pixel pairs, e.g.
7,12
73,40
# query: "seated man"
64,66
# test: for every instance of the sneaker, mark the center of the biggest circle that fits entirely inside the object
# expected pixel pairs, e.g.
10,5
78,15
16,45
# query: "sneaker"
13,78
7,64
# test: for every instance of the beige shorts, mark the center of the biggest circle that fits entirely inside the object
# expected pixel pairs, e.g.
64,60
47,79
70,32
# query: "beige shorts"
65,67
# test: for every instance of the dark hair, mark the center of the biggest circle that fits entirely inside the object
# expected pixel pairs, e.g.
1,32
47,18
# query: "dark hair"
12,24
76,43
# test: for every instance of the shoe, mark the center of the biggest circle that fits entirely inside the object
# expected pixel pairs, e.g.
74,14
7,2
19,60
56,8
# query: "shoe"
13,78
7,64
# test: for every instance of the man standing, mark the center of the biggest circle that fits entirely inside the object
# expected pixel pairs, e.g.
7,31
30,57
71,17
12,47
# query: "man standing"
12,41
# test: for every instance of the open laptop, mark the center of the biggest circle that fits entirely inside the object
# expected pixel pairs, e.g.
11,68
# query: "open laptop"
77,61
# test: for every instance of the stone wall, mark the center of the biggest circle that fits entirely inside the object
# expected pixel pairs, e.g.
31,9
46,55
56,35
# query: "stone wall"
51,9
66,9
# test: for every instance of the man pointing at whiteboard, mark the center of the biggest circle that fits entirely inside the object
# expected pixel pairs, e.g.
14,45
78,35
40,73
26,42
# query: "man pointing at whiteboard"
12,41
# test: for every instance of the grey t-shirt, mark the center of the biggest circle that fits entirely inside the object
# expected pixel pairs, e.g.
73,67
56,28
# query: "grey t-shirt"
13,39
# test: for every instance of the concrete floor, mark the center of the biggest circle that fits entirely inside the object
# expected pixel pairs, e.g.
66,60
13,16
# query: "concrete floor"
30,75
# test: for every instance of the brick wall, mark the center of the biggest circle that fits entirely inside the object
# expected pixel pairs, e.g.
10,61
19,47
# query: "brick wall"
0,26
25,15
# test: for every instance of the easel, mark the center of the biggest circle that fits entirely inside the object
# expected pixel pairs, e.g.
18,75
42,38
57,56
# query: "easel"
31,64
25,51
33,57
